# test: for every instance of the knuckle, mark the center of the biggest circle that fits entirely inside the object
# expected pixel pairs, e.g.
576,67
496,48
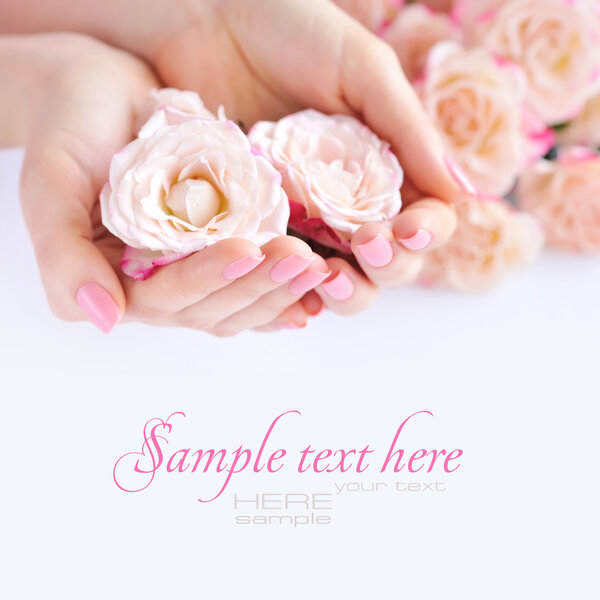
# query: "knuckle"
288,244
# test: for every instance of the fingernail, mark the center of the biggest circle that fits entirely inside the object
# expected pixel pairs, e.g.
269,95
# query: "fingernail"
291,326
99,306
242,267
340,287
377,252
289,267
420,240
307,281
459,176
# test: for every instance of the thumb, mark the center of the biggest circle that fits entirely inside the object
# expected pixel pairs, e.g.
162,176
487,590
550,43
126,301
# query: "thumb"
57,198
375,86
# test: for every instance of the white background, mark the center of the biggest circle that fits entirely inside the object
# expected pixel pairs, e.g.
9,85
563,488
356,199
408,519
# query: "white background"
511,377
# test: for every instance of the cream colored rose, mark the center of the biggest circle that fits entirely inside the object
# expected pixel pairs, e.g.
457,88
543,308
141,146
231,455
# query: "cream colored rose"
335,170
412,34
584,130
371,13
491,241
475,103
188,182
556,42
565,197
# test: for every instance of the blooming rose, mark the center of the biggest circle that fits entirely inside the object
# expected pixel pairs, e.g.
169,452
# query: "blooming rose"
475,102
187,182
371,13
490,241
414,31
585,129
336,172
565,196
556,42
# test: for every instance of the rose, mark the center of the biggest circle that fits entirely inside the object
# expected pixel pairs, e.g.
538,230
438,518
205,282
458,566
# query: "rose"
565,196
178,105
584,130
336,172
554,41
414,31
371,13
491,240
475,102
187,182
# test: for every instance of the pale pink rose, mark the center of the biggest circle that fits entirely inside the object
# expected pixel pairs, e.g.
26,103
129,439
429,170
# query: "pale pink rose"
490,242
414,32
476,104
176,103
336,172
371,13
565,197
186,183
556,42
441,5
584,130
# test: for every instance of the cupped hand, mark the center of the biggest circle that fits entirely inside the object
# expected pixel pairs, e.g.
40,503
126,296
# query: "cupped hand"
85,113
263,59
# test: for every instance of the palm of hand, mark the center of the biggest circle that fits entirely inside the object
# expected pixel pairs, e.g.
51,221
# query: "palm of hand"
258,74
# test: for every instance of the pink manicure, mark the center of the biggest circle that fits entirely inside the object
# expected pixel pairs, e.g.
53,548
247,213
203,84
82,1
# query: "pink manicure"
340,287
242,267
99,306
459,176
378,252
289,267
307,281
420,240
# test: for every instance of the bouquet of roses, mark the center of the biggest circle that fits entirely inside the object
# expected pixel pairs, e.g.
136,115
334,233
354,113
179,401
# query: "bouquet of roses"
513,87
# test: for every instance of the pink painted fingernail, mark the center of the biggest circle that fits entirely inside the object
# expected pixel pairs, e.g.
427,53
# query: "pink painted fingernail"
307,281
242,267
340,287
99,306
377,252
420,240
459,176
289,267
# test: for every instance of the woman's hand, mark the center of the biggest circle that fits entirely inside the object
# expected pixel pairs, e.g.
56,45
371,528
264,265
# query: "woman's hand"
81,112
263,59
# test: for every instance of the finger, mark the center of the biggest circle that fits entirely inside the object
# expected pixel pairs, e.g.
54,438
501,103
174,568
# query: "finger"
57,197
345,291
292,318
286,257
267,307
186,282
385,262
312,303
425,225
374,84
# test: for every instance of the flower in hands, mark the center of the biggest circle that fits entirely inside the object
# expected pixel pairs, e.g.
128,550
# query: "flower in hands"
336,172
491,240
565,196
476,103
187,182
554,41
